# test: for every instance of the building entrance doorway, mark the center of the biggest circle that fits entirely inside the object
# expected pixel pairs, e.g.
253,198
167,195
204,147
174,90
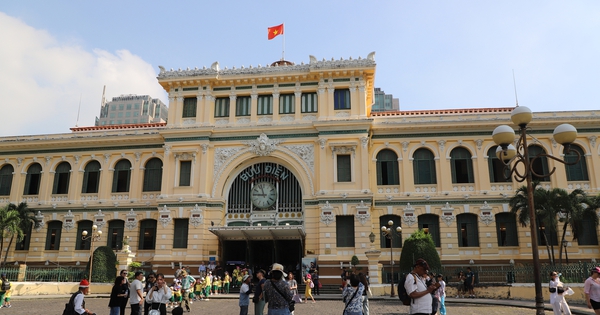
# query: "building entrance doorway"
261,254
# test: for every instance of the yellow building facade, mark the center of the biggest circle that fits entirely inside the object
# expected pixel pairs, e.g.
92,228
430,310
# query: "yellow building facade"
283,162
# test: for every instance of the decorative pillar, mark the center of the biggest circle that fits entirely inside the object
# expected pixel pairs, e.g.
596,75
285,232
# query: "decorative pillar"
374,266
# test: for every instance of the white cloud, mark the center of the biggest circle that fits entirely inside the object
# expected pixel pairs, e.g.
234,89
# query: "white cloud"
42,80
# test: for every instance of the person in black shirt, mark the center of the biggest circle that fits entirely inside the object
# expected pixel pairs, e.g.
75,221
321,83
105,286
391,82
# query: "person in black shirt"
150,281
124,289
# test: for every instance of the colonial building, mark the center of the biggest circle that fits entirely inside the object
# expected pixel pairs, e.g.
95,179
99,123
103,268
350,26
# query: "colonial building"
284,162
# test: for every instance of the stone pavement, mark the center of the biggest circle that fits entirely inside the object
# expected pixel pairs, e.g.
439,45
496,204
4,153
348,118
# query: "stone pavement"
325,305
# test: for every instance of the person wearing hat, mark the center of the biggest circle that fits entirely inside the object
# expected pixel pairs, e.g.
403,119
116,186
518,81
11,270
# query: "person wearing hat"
136,297
307,288
557,298
418,290
591,288
78,298
245,291
277,292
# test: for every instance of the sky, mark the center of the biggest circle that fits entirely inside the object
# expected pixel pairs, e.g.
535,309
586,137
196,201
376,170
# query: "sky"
56,56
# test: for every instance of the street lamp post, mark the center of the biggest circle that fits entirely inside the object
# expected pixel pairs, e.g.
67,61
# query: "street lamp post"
95,236
388,232
504,136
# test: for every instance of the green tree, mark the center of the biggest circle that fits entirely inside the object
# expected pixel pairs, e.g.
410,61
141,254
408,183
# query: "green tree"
104,268
9,226
547,204
419,245
26,222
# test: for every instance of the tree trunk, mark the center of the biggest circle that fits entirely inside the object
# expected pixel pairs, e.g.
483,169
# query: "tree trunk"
1,247
562,241
7,249
548,249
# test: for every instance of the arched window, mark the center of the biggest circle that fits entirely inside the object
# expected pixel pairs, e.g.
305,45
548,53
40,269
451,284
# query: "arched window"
387,168
462,166
396,239
121,176
83,225
24,243
547,236
506,229
32,180
91,178
153,175
424,167
430,224
115,234
468,232
587,233
61,179
539,165
579,170
147,234
53,235
496,167
6,177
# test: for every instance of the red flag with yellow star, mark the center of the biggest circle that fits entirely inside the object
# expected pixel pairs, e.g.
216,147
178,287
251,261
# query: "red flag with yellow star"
275,30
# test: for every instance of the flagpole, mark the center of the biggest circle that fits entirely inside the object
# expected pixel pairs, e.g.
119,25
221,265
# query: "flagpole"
283,45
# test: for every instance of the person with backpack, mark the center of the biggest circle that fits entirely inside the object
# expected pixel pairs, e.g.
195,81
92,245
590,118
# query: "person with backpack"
4,288
76,305
417,289
309,285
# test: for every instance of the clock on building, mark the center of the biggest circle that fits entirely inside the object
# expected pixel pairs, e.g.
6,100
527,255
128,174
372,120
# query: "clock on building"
263,195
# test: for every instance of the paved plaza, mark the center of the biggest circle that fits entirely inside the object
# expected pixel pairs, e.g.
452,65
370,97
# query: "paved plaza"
229,306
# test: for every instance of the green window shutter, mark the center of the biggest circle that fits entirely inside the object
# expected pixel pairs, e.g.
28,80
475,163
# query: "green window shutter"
189,107
32,180
430,223
506,229
180,233
185,172
344,230
396,239
121,176
579,170
91,178
242,106
468,234
587,234
84,225
222,107
344,168
287,104
147,234
61,178
6,177
115,234
53,235
153,175
309,103
265,105
462,166
387,168
540,165
424,167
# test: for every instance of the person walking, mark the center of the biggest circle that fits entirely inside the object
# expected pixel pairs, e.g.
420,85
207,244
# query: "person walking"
77,299
159,295
124,289
591,288
441,294
187,285
136,296
418,290
559,305
116,296
294,288
277,292
352,296
308,288
245,290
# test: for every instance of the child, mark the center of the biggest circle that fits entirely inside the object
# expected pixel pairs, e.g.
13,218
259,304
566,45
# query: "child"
198,290
219,286
176,297
226,283
440,293
7,298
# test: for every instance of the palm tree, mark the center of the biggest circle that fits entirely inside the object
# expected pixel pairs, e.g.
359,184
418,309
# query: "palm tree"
545,210
9,225
26,222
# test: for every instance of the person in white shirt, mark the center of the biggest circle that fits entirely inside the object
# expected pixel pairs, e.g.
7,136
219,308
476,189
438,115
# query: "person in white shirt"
557,298
136,297
418,290
78,300
159,295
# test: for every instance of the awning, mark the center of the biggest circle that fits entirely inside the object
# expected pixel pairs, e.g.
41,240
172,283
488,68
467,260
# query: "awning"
259,233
